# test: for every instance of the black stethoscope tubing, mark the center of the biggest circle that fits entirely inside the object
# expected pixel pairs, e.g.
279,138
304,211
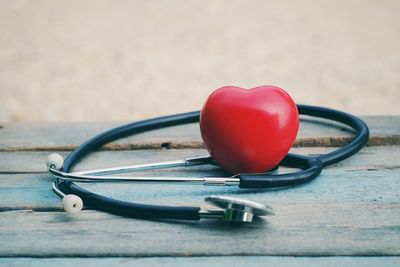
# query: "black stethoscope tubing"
311,166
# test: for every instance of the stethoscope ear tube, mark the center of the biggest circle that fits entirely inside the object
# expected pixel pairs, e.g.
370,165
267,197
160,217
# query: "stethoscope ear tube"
311,166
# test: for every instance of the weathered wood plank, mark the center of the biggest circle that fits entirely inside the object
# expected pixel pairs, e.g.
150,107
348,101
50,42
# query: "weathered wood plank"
66,136
306,229
33,191
352,209
370,176
377,157
234,261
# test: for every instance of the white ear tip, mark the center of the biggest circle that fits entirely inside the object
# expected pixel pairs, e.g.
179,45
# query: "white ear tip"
55,160
72,204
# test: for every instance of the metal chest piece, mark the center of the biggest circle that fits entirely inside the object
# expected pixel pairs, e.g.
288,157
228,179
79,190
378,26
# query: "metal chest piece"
239,210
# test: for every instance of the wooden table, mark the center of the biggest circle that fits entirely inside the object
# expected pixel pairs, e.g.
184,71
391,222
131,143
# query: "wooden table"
351,212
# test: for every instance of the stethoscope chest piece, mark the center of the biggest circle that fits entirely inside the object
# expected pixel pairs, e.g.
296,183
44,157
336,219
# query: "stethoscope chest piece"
239,210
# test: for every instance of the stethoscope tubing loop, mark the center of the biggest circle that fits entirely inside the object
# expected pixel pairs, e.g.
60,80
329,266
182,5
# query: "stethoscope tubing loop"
311,166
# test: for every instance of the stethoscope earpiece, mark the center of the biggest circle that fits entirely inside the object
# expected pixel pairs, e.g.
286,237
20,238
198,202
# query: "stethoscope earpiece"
55,161
72,204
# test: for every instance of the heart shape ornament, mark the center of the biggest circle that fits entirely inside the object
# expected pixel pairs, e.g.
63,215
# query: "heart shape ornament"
249,131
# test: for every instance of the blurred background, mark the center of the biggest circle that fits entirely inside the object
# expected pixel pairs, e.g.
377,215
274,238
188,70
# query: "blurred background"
128,60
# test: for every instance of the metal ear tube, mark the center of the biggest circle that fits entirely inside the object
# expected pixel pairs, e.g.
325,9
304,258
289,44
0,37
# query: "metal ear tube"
72,203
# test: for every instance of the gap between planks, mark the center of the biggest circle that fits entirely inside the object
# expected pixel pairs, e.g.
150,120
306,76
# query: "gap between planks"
384,130
233,261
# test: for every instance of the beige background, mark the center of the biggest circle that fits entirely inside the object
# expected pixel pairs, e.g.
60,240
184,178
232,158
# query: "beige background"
126,60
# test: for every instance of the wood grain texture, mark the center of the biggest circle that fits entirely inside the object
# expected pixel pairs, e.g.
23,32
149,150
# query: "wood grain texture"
34,161
24,191
297,229
352,209
233,261
66,136
369,176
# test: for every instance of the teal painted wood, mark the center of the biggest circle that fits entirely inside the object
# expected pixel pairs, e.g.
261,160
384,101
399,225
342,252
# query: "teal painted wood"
207,261
380,157
66,136
26,191
352,209
297,229
370,176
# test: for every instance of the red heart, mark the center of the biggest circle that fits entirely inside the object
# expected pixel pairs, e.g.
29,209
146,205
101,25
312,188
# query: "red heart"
249,131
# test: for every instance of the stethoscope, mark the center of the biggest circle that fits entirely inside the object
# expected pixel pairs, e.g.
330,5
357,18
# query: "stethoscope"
232,209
